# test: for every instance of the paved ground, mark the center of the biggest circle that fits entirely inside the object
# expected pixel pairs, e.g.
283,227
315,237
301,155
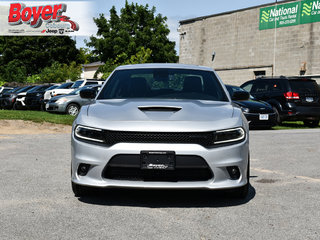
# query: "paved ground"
36,201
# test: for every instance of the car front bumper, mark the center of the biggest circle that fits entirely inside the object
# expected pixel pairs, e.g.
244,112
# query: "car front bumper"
218,159
54,107
255,120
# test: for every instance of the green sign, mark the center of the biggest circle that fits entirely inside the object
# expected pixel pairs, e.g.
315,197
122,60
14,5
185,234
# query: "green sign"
284,15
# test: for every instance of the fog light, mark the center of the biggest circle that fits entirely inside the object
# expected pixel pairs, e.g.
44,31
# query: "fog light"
234,172
83,169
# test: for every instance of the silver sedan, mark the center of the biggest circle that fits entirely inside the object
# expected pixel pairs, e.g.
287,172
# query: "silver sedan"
161,126
70,103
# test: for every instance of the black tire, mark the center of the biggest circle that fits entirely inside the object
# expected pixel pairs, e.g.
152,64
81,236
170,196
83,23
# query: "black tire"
73,109
242,192
43,107
79,191
15,106
278,117
311,123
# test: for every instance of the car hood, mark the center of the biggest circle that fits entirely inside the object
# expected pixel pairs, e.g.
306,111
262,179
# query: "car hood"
160,115
255,105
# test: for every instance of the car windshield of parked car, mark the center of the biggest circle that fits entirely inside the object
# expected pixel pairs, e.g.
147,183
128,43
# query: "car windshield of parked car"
52,87
38,88
309,86
77,84
24,89
77,91
14,90
64,86
163,84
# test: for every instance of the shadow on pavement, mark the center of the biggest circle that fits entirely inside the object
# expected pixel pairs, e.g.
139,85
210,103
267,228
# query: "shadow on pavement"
165,198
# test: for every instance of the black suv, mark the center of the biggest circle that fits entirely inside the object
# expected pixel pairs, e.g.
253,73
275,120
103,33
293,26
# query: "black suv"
292,98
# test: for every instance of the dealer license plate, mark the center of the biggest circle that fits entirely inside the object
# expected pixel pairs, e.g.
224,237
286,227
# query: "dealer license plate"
309,99
263,117
158,160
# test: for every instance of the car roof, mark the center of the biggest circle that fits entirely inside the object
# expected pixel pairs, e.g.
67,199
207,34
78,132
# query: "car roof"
163,65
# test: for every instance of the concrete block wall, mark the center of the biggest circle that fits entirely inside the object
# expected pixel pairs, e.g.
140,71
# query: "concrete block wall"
242,47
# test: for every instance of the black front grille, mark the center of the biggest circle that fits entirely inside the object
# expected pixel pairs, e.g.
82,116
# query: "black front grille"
205,139
127,167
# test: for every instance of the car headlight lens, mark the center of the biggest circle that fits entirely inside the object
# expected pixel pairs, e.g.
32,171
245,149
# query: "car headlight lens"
89,133
229,135
245,110
61,100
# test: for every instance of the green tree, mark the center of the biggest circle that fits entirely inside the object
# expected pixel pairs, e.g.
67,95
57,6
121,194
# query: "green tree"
136,27
142,56
24,56
58,72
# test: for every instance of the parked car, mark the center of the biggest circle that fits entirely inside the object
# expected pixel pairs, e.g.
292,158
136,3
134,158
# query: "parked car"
34,97
160,126
258,113
70,103
77,84
9,98
6,95
292,99
5,89
64,88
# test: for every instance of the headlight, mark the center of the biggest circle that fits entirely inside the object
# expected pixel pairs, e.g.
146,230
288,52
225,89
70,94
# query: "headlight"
89,133
38,94
245,110
61,100
229,135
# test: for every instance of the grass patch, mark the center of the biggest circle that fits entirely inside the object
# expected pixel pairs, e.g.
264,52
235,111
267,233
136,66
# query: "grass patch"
36,116
292,125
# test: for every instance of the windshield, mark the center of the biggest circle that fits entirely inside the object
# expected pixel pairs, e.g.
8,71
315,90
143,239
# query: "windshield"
38,88
163,84
77,91
14,90
308,86
24,89
52,87
77,84
65,85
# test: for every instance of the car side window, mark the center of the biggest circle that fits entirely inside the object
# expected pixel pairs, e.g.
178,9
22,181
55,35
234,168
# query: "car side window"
247,87
260,87
276,86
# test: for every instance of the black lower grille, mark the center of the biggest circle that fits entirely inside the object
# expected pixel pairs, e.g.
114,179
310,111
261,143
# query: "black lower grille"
127,167
202,138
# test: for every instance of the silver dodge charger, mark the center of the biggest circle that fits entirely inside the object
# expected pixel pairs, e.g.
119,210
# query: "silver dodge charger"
161,126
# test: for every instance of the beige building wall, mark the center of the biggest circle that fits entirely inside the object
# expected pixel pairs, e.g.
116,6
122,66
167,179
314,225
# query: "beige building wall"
241,48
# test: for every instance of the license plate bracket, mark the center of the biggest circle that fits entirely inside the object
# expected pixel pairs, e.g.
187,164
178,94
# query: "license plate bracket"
309,99
157,160
264,117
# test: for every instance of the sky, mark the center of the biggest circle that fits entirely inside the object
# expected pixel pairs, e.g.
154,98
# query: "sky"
174,10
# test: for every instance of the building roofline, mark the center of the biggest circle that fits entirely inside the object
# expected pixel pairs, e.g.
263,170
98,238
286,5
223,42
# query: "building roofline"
191,20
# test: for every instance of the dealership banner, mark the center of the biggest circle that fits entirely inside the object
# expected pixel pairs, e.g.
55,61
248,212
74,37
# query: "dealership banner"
43,18
289,14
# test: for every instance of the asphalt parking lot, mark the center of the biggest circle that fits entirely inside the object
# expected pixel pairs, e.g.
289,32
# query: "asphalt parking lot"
36,201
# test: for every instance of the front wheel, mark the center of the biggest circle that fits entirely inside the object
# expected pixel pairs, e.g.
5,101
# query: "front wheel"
311,123
73,109
278,118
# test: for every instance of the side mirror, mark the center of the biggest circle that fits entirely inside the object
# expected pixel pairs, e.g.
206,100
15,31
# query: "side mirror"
88,93
240,95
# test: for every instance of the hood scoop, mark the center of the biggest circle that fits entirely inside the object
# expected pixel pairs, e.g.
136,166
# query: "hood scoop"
159,108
